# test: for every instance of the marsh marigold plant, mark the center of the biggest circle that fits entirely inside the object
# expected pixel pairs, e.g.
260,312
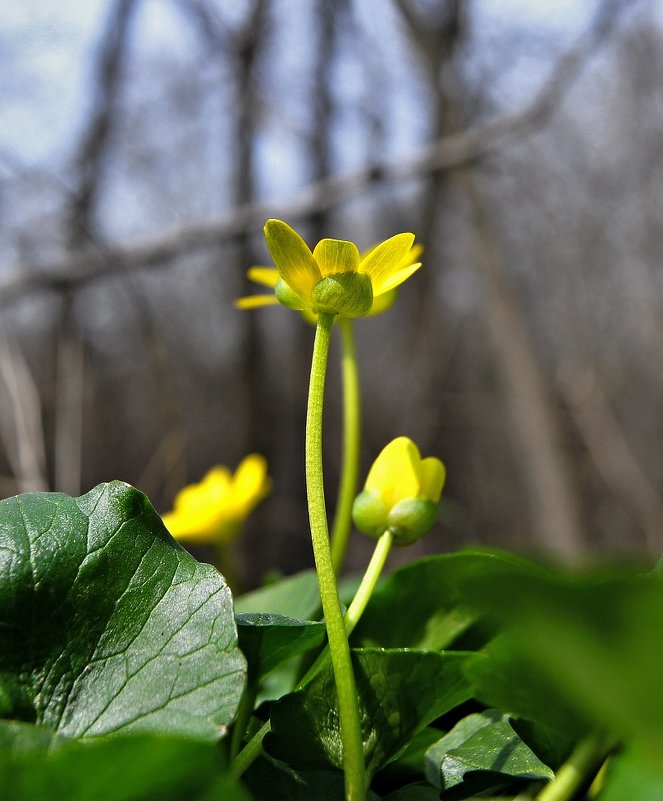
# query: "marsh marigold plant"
212,511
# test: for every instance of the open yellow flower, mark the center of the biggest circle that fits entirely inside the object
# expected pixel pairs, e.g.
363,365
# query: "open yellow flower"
335,277
401,493
213,510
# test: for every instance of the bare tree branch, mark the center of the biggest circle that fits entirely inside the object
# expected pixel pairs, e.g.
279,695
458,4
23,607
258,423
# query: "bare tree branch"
70,388
20,419
95,140
612,453
446,152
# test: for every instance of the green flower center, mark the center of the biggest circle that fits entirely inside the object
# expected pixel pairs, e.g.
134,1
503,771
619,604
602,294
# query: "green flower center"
347,294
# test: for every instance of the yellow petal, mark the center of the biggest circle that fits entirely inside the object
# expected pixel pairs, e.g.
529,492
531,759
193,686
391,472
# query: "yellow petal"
397,278
432,475
383,302
250,484
187,528
215,484
292,257
267,276
336,256
255,301
415,251
394,474
199,509
385,259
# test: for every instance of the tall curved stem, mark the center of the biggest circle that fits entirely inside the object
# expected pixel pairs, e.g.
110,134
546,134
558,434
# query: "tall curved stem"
353,752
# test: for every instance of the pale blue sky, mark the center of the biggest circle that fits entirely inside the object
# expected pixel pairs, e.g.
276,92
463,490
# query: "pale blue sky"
45,47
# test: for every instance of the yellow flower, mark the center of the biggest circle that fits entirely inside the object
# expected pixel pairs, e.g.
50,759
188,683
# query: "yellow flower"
401,493
214,510
335,277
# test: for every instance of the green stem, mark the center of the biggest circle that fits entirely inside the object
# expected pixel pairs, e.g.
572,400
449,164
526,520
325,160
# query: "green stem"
251,751
586,759
368,581
351,439
359,602
243,716
253,748
346,692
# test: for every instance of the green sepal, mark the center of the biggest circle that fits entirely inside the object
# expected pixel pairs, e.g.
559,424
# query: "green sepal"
287,296
348,294
410,519
370,514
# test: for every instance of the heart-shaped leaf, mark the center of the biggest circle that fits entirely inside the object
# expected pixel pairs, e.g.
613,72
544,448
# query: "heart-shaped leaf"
484,748
399,691
107,624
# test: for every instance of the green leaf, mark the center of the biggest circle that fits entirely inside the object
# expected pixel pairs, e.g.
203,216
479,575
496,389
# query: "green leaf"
267,640
550,745
18,739
595,639
399,691
502,676
485,744
269,780
107,625
408,766
148,767
295,596
632,776
400,615
413,792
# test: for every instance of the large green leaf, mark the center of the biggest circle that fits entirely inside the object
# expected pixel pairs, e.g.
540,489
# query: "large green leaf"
503,676
399,692
420,606
630,777
481,751
36,765
106,624
596,639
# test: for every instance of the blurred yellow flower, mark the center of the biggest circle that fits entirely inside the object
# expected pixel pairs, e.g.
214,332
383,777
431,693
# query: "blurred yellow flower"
401,493
334,278
213,510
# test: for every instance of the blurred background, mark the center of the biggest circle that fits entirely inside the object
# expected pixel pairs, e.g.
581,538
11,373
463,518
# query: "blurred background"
144,143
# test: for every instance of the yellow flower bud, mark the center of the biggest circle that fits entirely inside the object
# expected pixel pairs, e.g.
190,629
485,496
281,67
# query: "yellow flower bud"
401,493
